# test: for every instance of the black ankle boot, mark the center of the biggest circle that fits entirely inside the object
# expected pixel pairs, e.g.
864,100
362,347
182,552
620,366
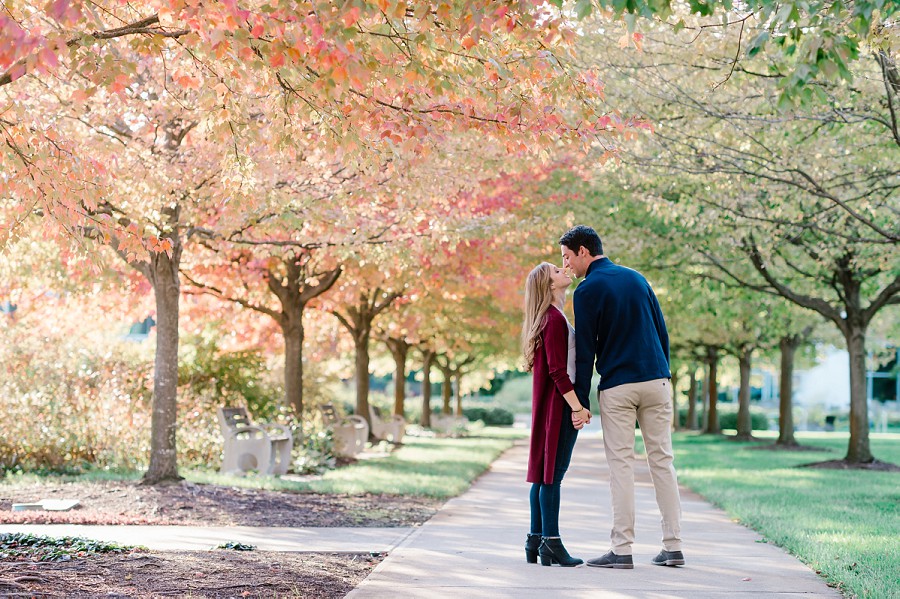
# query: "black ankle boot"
532,542
552,552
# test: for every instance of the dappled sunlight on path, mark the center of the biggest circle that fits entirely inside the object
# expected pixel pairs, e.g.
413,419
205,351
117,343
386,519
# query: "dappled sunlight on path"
474,545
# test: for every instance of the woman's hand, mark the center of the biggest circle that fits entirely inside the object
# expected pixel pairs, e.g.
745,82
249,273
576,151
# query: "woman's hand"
580,418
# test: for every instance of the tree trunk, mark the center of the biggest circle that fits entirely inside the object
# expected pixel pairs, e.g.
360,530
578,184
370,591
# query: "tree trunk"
294,292
691,423
446,390
704,404
163,424
788,346
293,367
711,426
858,451
744,421
399,350
427,361
458,380
358,321
674,400
361,340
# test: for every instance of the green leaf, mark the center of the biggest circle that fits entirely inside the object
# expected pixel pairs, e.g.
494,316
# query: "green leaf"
829,68
701,8
785,102
582,8
757,44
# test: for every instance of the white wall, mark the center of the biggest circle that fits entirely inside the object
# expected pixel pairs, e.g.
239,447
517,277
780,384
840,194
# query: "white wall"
826,384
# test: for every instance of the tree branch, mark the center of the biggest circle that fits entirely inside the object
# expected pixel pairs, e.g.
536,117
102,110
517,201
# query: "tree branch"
891,77
889,295
813,303
138,27
329,278
344,322
215,291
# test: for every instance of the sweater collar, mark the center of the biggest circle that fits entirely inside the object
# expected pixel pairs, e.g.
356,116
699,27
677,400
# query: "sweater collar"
601,263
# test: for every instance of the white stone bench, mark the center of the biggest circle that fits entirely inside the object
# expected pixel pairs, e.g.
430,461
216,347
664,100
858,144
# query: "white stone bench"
351,433
390,429
264,447
448,424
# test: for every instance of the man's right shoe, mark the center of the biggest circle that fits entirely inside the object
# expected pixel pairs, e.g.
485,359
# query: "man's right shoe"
611,560
667,558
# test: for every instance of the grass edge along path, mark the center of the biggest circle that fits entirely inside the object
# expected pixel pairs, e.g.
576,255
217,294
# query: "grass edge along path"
434,467
844,524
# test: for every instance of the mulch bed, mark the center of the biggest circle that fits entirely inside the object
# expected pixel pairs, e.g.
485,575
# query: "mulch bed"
187,503
876,466
220,573
217,573
776,447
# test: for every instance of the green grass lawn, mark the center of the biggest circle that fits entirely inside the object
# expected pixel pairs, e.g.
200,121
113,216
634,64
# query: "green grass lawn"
845,524
432,467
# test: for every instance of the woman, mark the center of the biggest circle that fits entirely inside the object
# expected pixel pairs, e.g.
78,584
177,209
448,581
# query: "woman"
548,344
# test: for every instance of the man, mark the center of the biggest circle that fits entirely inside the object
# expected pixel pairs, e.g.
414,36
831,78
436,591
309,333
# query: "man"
619,324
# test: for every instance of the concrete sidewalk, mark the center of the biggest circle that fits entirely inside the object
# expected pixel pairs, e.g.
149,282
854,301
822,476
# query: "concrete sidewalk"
473,547
169,538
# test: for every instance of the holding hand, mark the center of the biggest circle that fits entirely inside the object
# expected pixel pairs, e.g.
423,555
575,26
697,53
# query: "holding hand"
580,418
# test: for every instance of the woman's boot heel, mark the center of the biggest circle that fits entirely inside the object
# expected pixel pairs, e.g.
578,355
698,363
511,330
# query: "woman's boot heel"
553,551
532,543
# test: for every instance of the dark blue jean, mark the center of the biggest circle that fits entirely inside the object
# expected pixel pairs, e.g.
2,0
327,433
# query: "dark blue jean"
545,498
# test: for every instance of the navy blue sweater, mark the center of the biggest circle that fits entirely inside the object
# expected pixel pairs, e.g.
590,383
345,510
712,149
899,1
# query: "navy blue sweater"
619,324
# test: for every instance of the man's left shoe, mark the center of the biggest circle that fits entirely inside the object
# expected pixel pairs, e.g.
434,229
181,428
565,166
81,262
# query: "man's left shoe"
611,560
668,558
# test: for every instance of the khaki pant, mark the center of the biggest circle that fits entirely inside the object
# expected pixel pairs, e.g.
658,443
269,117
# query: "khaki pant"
650,403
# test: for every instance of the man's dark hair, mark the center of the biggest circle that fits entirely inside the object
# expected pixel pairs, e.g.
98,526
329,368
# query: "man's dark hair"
582,236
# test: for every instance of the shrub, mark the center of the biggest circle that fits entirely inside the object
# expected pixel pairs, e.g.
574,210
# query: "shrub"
73,402
314,453
758,421
727,419
41,548
490,416
66,407
210,378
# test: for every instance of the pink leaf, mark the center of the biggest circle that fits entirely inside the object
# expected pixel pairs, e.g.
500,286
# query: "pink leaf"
57,9
47,57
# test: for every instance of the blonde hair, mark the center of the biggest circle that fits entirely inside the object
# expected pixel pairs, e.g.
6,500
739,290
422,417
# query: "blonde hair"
538,298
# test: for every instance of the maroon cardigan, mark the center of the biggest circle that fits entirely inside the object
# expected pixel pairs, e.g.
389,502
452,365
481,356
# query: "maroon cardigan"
548,406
